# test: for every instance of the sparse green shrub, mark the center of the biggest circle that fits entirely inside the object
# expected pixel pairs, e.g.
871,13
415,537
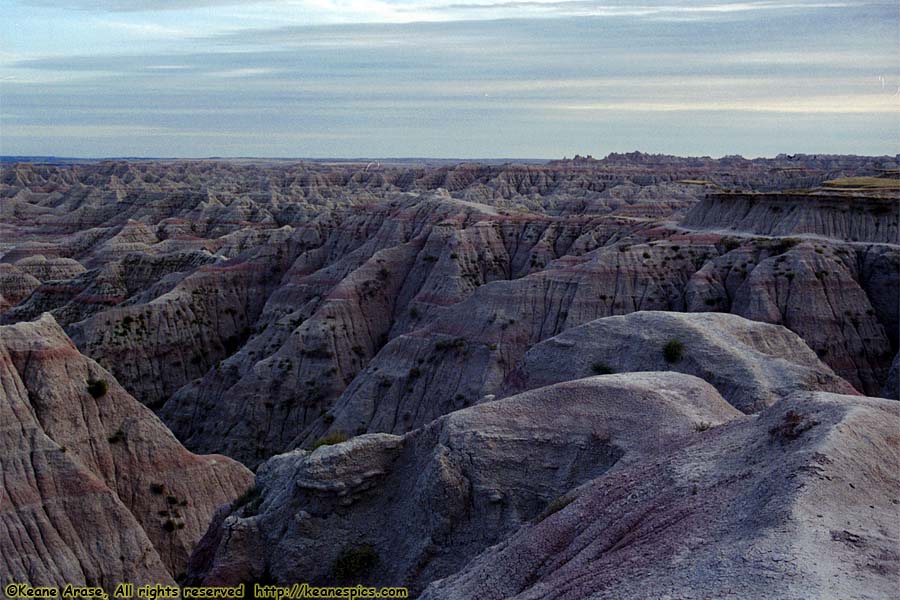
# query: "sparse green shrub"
320,352
783,245
557,505
250,501
336,437
117,437
355,562
673,351
169,525
456,344
600,368
157,488
231,344
97,388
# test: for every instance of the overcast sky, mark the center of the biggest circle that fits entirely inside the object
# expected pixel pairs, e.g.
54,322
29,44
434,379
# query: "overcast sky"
448,78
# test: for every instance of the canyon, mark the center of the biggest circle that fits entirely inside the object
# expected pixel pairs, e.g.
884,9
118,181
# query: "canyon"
572,379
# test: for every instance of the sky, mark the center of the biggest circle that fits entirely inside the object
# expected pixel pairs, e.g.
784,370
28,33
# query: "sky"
448,78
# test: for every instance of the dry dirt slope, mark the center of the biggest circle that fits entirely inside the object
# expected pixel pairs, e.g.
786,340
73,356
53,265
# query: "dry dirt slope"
801,502
95,489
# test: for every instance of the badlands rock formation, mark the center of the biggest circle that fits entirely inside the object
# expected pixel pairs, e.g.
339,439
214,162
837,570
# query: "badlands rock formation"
96,490
429,501
354,294
837,216
266,309
799,503
751,364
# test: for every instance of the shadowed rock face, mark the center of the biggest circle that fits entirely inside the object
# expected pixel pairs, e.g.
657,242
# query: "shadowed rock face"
259,307
751,364
795,504
429,501
96,490
892,387
842,217
256,307
470,348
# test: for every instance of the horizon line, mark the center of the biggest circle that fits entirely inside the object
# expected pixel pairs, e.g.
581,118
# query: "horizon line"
32,157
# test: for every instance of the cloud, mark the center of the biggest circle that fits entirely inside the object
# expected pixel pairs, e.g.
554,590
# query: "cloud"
226,81
399,11
144,30
135,5
625,9
245,72
814,105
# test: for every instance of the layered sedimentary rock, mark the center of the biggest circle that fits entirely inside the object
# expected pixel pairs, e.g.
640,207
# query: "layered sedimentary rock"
422,505
753,365
472,346
324,325
842,300
96,490
267,307
351,295
842,217
15,286
50,269
798,503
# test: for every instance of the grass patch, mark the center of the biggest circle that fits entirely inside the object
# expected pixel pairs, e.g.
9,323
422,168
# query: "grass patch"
863,183
331,439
